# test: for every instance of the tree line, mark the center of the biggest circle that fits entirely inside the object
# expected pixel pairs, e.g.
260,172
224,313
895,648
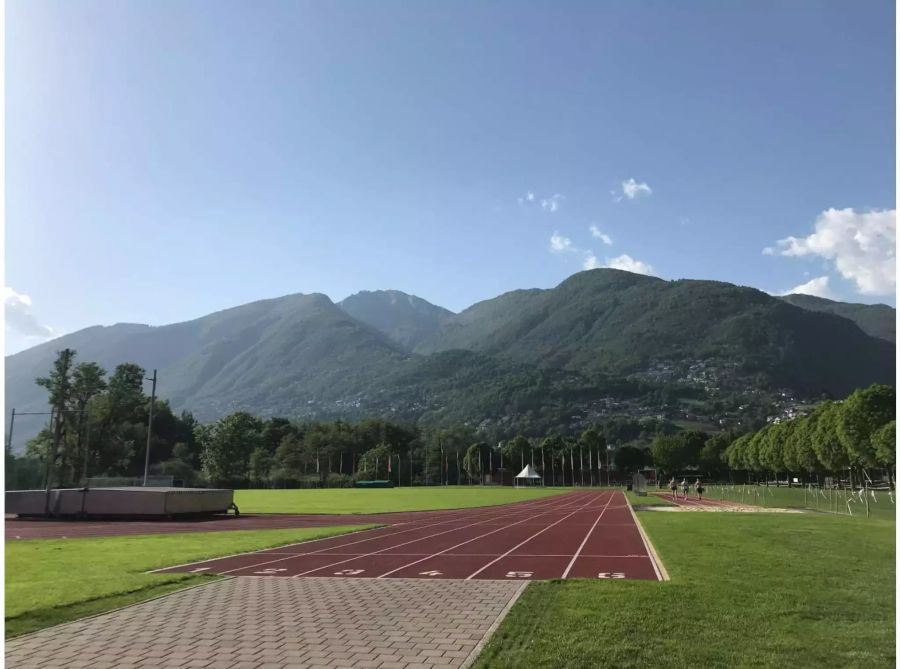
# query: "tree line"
853,435
99,429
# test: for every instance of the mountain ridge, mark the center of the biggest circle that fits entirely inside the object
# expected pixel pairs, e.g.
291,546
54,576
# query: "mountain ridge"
530,352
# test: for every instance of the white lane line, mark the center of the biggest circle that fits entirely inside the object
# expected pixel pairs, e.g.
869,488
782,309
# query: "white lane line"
661,573
474,574
382,533
352,543
586,537
427,538
481,536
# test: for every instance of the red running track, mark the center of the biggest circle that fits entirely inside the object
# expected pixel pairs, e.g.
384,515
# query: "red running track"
576,535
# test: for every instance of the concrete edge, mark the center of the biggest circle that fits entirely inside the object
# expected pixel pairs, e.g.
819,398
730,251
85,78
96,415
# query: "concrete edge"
658,566
476,651
216,579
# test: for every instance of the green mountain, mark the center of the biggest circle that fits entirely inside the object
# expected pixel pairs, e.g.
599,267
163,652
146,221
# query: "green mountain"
617,322
405,319
877,320
603,341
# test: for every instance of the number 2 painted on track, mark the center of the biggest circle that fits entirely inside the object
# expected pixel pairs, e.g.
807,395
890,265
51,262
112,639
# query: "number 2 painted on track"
607,574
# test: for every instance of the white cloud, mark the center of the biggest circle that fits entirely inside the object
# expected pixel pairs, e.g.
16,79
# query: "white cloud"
862,246
552,203
19,318
629,264
817,287
632,189
558,243
595,232
590,261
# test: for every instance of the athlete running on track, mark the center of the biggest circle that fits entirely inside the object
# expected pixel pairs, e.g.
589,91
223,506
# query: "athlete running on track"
685,486
673,486
699,488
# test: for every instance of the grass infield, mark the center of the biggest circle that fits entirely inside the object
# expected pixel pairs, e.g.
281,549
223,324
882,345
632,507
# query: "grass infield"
383,500
755,590
51,581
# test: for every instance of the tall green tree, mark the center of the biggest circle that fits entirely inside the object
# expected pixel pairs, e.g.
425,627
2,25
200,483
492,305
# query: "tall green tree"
227,445
885,442
59,387
862,414
826,442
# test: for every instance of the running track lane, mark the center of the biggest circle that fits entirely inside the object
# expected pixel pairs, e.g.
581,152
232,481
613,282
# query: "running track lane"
689,502
578,535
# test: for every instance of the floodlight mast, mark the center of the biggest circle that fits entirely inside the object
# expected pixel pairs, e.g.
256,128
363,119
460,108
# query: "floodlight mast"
149,426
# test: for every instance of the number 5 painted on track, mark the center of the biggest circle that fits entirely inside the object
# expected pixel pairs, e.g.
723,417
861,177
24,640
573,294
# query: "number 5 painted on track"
607,574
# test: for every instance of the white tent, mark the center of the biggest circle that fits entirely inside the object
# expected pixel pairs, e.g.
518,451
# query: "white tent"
528,476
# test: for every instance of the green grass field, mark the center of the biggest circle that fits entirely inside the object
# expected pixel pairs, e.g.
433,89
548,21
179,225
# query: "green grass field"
49,581
834,501
755,590
383,500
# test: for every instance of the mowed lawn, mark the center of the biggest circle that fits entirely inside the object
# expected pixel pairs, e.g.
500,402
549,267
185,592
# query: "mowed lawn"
383,500
49,581
754,590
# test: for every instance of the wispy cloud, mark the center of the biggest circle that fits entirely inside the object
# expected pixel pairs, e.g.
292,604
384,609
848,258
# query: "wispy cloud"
629,264
560,244
21,320
632,189
552,203
861,246
596,232
817,287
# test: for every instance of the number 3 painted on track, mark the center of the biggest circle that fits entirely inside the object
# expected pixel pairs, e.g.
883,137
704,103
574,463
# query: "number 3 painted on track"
606,574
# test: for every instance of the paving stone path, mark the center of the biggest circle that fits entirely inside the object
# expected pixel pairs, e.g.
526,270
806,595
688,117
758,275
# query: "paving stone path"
255,623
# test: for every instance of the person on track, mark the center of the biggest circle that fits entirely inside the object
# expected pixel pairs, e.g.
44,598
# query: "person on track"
673,486
699,488
685,486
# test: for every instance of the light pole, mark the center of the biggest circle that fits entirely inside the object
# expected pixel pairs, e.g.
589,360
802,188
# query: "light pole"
149,426
608,449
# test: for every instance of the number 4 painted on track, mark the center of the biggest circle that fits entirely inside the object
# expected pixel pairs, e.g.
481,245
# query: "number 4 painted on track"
606,574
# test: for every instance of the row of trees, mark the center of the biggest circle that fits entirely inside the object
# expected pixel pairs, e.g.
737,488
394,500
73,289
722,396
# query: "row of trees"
98,427
855,434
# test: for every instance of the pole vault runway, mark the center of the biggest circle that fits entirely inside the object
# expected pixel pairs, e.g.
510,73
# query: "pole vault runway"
591,534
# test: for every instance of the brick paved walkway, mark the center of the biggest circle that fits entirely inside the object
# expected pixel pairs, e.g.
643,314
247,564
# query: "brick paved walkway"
247,622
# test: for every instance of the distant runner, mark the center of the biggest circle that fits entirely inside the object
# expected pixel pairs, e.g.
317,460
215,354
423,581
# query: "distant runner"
673,486
685,486
699,488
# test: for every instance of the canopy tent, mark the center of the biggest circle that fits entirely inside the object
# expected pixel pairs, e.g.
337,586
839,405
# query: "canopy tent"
528,476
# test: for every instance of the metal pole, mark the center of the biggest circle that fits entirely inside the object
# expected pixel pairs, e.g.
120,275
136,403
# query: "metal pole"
149,428
607,466
12,422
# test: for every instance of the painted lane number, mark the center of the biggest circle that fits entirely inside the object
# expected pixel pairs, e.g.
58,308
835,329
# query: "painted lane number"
430,573
269,572
519,574
349,572
608,574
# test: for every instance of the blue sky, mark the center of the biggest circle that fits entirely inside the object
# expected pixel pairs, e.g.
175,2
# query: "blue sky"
168,159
